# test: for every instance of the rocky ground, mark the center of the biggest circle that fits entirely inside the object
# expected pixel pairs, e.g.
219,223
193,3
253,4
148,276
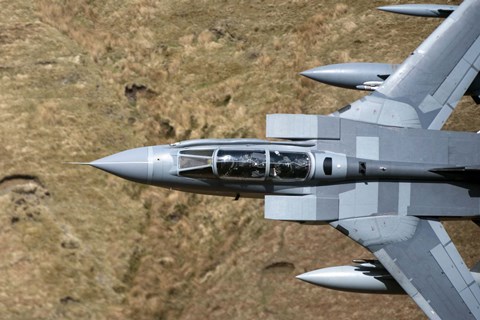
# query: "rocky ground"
82,79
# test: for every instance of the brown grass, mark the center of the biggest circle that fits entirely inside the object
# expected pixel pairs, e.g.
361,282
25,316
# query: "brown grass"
100,247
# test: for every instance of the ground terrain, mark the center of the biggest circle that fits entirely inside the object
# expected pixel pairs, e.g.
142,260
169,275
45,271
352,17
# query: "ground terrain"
84,79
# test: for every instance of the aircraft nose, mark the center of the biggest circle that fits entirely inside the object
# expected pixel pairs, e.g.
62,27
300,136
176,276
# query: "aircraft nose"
134,164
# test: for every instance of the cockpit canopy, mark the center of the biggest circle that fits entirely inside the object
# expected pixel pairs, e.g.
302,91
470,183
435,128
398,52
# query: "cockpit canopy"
234,164
244,164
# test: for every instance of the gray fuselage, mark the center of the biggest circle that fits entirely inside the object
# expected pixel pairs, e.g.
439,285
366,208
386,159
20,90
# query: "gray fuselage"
437,169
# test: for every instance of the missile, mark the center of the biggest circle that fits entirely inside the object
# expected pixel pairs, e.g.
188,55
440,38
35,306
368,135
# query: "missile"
421,10
368,276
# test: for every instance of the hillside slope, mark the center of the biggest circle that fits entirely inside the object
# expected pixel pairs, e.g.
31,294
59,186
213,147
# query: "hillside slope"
84,79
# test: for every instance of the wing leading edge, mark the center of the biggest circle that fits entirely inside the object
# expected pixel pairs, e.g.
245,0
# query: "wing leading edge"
420,255
425,89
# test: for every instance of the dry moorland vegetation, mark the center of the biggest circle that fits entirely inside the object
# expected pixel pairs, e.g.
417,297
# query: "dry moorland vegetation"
84,79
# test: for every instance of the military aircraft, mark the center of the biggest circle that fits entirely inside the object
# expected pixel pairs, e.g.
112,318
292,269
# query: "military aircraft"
379,170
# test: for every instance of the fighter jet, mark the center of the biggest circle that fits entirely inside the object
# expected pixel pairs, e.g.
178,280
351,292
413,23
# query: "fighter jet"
379,170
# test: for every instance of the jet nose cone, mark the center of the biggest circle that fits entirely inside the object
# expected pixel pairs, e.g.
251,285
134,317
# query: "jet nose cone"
133,164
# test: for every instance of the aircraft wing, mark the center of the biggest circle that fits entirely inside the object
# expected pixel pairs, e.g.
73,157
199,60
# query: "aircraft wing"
420,255
425,89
